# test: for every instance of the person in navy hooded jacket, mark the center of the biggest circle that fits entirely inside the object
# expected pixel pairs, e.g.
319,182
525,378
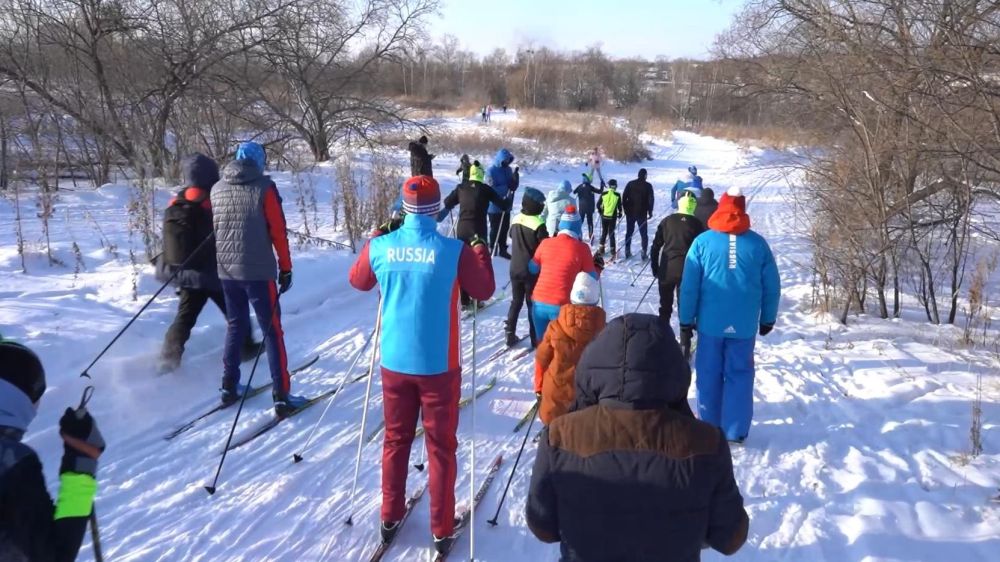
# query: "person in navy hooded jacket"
420,273
729,292
504,180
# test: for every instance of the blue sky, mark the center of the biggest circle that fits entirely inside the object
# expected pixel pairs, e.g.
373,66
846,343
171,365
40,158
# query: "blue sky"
674,28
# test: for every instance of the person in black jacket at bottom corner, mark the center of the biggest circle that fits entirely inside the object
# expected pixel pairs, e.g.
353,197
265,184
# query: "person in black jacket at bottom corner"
629,473
32,528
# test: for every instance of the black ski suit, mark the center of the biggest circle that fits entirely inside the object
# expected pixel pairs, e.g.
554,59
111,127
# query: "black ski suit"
526,233
637,202
473,199
674,237
586,204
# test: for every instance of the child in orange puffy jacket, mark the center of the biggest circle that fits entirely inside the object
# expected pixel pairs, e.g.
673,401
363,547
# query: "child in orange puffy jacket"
565,339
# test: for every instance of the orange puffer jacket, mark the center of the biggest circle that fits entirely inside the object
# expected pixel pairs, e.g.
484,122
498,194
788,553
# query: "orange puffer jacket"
560,351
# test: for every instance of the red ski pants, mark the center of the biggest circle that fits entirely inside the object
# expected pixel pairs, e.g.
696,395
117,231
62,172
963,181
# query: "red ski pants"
404,396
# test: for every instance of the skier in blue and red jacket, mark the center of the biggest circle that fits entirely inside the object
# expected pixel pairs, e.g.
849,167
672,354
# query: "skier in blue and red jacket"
420,274
730,290
249,230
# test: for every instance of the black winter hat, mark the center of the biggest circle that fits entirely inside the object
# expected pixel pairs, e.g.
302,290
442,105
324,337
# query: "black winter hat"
422,139
200,171
21,367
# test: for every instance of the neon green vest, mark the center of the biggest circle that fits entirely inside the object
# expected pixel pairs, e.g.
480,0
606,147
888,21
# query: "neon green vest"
609,204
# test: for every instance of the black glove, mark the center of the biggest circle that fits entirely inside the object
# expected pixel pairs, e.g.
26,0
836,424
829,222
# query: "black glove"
82,442
765,329
603,185
538,396
598,261
650,217
687,331
476,240
284,281
655,268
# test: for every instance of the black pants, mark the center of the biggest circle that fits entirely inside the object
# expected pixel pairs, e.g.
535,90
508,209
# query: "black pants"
465,233
499,228
630,223
589,219
191,304
608,225
521,292
668,289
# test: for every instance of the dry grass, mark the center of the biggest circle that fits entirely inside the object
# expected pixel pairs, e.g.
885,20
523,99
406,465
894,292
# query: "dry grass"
778,138
577,133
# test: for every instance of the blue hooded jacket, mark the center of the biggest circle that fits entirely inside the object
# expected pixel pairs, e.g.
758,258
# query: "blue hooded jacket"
500,177
730,285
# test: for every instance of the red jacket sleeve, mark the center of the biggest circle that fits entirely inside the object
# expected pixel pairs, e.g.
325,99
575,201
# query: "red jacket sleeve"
276,226
475,272
588,262
361,276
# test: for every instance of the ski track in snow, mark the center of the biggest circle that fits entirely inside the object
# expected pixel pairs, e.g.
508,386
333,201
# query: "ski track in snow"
852,455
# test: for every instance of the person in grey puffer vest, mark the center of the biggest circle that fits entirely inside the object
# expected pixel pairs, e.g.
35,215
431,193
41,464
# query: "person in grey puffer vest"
249,229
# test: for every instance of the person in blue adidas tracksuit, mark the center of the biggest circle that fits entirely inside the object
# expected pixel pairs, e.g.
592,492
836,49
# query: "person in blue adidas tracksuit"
730,290
504,180
420,274
692,181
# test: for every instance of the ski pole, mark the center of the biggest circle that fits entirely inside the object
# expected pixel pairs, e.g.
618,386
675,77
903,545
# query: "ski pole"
493,522
641,271
419,465
318,239
364,419
243,399
297,457
472,443
644,295
95,533
135,317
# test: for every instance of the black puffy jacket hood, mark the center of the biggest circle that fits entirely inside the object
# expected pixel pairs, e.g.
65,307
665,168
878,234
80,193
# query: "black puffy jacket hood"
634,363
199,170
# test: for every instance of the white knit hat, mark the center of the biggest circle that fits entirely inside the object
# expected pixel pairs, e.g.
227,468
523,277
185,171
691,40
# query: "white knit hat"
734,191
585,290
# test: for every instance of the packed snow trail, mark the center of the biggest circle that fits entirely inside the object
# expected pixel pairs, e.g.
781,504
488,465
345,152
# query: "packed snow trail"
853,455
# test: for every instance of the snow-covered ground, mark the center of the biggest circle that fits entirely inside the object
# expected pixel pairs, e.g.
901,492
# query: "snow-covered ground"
855,452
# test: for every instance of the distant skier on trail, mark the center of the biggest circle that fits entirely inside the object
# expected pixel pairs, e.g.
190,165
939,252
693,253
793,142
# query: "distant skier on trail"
594,160
638,202
419,273
526,234
32,528
707,205
629,474
690,181
464,167
586,202
556,262
249,229
420,159
674,237
611,210
555,204
504,181
566,337
187,227
730,290
473,199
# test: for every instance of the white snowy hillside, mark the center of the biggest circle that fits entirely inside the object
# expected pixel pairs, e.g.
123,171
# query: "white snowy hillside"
858,450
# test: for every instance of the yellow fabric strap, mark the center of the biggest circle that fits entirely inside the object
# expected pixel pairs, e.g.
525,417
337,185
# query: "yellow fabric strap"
531,222
76,495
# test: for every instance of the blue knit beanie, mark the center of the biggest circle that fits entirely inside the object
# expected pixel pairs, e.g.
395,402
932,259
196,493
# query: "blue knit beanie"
252,151
566,186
